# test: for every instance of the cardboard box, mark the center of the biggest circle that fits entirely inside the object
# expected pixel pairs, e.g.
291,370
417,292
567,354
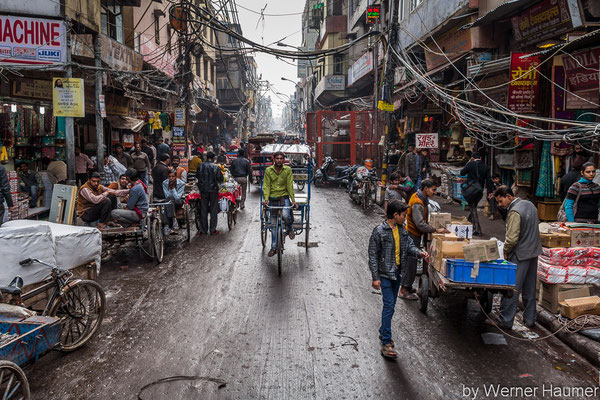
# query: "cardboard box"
573,308
548,210
440,220
585,238
554,240
446,249
550,295
481,250
461,230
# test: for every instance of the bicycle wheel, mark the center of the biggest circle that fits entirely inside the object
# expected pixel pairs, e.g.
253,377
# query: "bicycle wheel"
263,234
13,382
81,309
158,240
229,219
279,244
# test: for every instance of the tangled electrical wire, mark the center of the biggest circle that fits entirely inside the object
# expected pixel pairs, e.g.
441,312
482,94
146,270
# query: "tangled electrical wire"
580,323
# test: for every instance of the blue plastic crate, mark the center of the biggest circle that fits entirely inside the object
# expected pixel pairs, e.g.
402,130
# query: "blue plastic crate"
499,272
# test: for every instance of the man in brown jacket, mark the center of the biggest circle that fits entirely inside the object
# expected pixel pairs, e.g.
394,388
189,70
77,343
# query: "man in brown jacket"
95,202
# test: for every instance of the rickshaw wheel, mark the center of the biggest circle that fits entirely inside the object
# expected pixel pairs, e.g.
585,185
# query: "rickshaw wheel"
187,222
263,234
229,219
197,215
423,293
81,310
13,382
158,240
306,233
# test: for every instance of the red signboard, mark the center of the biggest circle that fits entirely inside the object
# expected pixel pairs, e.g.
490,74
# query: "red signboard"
581,69
524,83
544,20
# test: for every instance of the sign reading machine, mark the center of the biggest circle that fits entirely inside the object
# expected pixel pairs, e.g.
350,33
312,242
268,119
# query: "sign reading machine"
67,97
32,41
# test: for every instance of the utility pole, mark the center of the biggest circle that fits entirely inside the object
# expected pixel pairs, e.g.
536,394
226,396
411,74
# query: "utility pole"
99,121
69,128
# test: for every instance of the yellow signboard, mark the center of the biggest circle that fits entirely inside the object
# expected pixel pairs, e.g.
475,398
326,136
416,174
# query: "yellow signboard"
67,97
383,106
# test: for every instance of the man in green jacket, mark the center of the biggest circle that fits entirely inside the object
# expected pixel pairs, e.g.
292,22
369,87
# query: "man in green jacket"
278,191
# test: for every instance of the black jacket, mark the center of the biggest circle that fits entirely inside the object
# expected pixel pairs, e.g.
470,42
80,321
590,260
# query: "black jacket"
5,188
240,167
160,173
567,181
209,176
485,179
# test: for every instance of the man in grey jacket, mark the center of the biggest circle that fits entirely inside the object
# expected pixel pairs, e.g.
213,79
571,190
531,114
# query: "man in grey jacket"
414,163
522,246
389,247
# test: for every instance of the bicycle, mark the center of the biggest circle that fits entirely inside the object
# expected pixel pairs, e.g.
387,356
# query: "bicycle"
278,226
78,303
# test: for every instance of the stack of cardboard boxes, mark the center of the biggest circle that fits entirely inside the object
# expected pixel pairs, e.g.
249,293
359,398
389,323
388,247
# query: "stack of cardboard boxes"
21,200
568,264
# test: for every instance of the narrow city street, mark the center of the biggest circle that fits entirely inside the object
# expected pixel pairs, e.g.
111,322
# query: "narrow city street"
216,308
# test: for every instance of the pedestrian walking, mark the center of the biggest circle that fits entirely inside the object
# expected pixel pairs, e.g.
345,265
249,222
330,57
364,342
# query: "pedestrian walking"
478,178
417,226
583,197
240,170
82,165
413,166
393,157
567,180
425,165
122,157
390,246
5,194
162,148
496,183
402,160
278,191
522,246
209,176
141,163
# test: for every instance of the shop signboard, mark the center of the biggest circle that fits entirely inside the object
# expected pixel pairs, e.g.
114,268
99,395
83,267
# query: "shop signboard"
545,20
583,100
179,116
120,57
426,141
524,83
330,82
68,97
102,105
385,106
360,68
46,8
32,41
32,89
581,69
117,104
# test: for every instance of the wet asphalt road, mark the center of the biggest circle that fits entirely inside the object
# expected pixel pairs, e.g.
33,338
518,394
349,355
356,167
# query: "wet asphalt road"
217,308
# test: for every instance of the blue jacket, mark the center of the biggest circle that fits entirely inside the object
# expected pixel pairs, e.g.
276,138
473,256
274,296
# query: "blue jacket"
137,197
382,251
173,194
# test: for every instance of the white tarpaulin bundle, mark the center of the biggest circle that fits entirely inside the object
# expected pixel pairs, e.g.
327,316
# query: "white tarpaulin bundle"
63,245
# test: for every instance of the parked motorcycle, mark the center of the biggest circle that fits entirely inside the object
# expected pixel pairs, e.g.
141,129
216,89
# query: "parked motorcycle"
363,188
343,174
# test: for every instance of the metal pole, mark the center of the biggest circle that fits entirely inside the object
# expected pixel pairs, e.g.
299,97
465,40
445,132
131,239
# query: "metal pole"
99,121
69,128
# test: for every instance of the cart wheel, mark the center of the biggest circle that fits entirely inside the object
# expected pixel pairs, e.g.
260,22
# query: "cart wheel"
301,186
423,293
365,200
146,243
197,215
81,309
188,228
234,214
279,245
229,219
13,382
486,300
158,240
263,234
306,233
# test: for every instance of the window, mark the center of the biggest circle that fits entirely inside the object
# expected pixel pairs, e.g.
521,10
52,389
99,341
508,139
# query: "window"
169,38
338,62
414,4
157,29
206,71
112,20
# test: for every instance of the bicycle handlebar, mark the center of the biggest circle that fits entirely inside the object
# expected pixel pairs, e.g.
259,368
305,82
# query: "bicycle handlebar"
35,260
279,207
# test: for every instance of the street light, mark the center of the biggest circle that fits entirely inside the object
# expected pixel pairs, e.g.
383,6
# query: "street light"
286,79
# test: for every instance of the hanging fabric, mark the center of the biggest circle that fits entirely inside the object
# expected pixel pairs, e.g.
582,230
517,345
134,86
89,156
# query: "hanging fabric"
545,187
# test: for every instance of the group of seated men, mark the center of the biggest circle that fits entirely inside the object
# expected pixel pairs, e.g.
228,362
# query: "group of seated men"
125,202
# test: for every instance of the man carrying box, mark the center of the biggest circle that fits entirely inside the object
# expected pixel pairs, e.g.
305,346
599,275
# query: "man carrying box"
522,246
389,248
417,225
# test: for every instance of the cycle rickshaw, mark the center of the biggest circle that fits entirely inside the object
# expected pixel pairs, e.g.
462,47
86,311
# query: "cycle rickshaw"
271,217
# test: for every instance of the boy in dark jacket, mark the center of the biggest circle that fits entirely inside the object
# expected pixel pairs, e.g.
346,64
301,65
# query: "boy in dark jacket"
389,247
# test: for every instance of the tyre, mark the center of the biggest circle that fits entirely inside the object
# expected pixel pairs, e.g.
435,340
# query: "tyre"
81,310
197,215
229,219
319,181
423,293
158,240
188,228
306,233
279,245
146,243
13,384
263,234
301,186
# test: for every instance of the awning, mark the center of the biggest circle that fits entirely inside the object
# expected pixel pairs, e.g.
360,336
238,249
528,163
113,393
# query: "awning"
121,122
503,11
575,44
